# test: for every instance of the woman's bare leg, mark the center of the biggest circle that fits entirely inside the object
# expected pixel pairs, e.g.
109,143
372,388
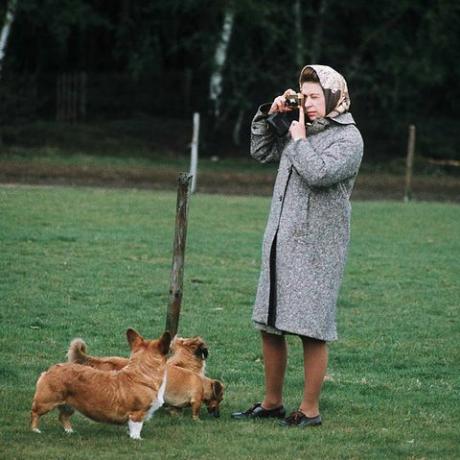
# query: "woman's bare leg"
275,359
315,354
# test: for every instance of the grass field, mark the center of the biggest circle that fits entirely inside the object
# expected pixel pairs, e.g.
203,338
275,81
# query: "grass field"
93,262
119,154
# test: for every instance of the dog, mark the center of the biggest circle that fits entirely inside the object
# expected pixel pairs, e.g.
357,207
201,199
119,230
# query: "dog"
186,388
186,383
129,395
188,353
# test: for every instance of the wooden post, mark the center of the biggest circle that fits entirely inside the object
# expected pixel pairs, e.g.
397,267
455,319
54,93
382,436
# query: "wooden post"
194,149
409,163
177,271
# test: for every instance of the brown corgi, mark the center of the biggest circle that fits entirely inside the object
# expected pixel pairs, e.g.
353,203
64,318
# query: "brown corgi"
186,388
130,395
189,353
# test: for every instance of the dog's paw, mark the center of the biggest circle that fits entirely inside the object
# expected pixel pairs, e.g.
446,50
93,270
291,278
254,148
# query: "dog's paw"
36,430
135,429
174,411
68,430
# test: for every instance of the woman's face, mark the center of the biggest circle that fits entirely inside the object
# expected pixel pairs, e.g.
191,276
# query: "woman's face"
314,101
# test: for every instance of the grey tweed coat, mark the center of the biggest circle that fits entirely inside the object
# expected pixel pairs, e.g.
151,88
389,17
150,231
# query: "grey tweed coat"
306,238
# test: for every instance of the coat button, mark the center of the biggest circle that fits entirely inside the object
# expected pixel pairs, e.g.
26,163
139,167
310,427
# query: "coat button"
281,197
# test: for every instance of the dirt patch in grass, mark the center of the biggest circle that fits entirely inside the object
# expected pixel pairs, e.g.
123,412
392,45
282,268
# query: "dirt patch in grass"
369,186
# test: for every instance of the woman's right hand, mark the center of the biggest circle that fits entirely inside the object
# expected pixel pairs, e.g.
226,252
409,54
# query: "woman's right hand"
279,103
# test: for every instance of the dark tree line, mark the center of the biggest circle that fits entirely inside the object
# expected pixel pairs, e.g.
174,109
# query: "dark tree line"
149,56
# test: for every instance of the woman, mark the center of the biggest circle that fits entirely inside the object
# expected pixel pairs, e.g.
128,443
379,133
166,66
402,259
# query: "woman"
306,238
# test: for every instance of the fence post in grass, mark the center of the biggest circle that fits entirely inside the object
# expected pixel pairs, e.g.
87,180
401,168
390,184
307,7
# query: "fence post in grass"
177,271
194,149
409,163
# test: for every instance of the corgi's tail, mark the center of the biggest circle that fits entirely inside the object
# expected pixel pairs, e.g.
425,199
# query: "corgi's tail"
77,352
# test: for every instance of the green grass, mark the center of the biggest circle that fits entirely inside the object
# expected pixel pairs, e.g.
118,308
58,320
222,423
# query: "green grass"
51,156
93,262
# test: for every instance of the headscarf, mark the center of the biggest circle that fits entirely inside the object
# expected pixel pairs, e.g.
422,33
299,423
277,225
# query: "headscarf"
334,87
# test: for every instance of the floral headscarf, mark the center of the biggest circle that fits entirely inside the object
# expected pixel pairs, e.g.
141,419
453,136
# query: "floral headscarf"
334,87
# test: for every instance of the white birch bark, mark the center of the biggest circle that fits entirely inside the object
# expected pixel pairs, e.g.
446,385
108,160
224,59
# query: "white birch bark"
9,18
220,55
194,152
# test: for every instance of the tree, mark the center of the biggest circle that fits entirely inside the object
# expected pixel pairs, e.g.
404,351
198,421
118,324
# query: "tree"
9,18
233,55
220,56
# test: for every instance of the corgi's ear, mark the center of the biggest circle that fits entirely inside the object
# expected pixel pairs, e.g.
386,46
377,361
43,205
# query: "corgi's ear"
134,338
217,389
164,343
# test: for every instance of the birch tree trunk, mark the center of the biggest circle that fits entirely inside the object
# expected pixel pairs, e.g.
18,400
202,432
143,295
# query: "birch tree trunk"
9,18
220,55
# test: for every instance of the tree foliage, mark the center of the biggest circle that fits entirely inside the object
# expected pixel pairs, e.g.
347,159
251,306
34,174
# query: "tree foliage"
399,56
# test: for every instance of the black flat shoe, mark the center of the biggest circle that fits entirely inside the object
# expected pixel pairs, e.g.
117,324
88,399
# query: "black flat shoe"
298,418
257,411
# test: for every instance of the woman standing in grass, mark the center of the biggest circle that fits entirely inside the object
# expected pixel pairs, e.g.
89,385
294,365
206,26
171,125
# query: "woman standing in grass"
306,238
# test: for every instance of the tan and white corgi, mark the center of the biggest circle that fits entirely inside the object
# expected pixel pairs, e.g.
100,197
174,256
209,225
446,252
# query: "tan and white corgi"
130,395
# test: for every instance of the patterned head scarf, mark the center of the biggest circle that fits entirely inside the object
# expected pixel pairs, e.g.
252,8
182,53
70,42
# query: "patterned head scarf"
334,87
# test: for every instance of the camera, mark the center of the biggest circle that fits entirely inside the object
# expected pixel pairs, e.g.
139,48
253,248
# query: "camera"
280,122
294,100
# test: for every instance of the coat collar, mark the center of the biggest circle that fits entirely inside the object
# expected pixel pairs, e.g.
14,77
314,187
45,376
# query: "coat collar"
344,119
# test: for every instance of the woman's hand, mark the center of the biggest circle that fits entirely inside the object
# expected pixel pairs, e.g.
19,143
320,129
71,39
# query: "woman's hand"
279,103
298,129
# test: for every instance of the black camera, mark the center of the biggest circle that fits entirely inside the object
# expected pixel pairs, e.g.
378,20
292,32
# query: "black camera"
280,122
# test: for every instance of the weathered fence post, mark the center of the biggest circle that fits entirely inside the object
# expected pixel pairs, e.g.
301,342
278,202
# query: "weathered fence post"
409,163
177,271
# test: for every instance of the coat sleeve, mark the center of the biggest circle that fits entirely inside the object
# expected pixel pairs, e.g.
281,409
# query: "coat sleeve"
336,162
265,145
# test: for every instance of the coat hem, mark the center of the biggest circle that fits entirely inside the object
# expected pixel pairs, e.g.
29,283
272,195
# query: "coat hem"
275,331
